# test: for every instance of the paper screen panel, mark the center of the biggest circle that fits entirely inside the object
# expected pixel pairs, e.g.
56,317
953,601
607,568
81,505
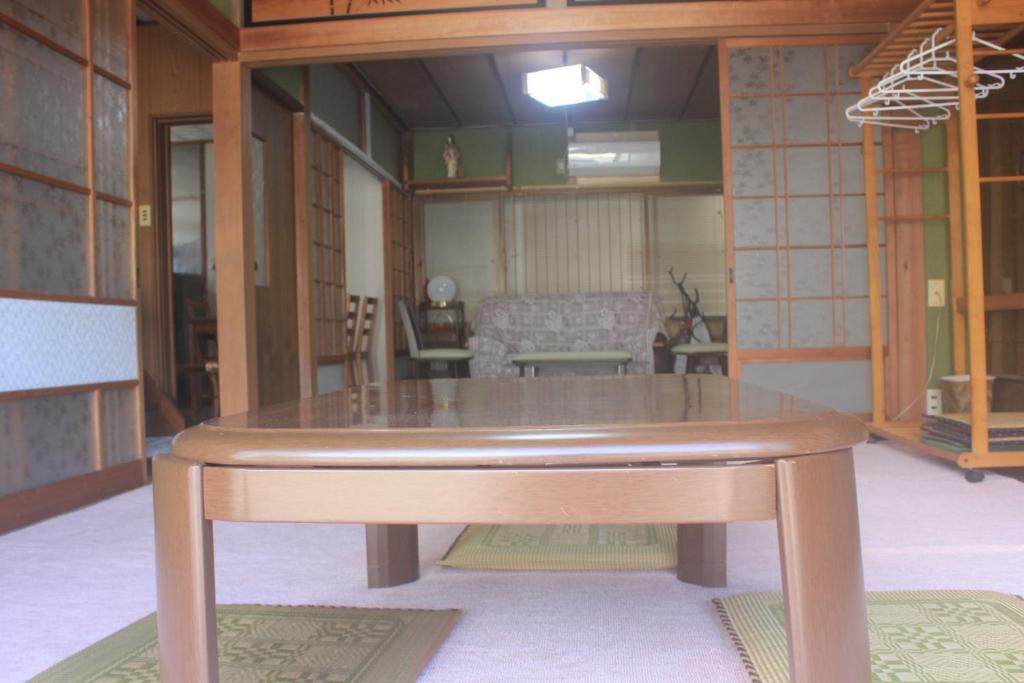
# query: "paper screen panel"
843,385
798,198
110,123
120,428
110,21
42,237
58,20
49,344
41,127
43,440
113,251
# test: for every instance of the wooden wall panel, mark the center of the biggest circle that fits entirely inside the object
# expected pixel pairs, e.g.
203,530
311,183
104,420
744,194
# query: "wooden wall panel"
907,371
402,259
174,81
276,327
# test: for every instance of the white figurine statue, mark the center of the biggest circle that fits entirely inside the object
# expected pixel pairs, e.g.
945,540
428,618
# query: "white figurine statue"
451,158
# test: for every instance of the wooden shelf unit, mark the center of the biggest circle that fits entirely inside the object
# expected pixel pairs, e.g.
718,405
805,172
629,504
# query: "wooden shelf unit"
996,21
486,182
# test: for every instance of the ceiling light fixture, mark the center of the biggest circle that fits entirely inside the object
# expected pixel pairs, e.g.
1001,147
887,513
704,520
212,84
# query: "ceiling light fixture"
565,85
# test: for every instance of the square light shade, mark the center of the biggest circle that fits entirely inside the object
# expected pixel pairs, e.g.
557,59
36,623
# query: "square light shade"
565,85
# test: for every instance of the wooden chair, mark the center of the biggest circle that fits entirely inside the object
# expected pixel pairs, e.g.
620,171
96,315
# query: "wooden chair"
453,358
360,327
351,325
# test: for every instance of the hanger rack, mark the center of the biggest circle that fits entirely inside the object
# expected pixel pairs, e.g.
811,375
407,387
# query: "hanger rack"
922,89
909,79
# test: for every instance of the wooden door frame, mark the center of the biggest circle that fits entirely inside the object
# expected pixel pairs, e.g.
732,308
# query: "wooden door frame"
164,297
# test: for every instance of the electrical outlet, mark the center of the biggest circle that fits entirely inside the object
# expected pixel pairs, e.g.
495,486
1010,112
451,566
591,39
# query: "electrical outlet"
145,215
936,293
933,402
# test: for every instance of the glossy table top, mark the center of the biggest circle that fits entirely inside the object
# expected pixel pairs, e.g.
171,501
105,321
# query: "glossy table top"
525,422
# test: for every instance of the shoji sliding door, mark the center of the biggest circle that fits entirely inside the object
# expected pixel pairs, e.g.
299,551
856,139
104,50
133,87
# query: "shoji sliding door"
69,371
795,211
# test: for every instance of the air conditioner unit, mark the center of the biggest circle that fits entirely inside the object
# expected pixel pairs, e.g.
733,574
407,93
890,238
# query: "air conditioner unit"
633,156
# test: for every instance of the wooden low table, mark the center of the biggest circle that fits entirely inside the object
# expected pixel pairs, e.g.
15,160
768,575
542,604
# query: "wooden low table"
529,362
697,451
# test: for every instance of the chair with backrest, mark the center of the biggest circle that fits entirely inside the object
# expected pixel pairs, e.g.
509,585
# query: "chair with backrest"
453,358
361,328
353,322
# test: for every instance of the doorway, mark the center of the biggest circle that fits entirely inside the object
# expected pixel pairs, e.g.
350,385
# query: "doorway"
185,203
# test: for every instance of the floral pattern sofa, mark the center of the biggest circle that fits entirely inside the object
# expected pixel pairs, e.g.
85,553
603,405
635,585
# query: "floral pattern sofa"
611,321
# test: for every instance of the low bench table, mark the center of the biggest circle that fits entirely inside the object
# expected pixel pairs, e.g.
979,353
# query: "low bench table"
529,362
698,451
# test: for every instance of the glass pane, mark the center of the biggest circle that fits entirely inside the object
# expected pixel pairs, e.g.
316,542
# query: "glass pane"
749,70
752,222
756,276
111,129
757,324
848,56
809,221
43,440
120,427
752,172
42,237
812,323
42,126
110,35
804,69
113,251
807,170
58,20
811,272
750,120
806,120
187,208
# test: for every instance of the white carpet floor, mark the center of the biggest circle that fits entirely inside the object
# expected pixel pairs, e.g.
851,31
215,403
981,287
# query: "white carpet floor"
72,580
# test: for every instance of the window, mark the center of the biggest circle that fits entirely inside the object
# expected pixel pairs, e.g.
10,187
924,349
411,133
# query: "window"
328,229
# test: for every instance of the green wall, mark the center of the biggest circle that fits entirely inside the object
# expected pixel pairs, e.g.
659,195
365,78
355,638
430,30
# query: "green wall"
482,150
288,78
690,151
936,254
225,7
335,99
385,143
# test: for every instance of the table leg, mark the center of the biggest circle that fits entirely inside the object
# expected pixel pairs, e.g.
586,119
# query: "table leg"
701,554
392,554
822,576
186,616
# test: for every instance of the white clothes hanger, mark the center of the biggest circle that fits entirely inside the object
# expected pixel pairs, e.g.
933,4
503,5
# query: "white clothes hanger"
921,90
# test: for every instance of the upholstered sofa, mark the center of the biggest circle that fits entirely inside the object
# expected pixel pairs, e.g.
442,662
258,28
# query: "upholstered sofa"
614,321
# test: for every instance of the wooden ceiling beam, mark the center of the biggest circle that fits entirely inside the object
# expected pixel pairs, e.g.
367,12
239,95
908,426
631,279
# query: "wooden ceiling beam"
482,31
199,23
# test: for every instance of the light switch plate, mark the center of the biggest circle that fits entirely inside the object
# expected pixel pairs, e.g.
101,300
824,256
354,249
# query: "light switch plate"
145,215
936,293
933,402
